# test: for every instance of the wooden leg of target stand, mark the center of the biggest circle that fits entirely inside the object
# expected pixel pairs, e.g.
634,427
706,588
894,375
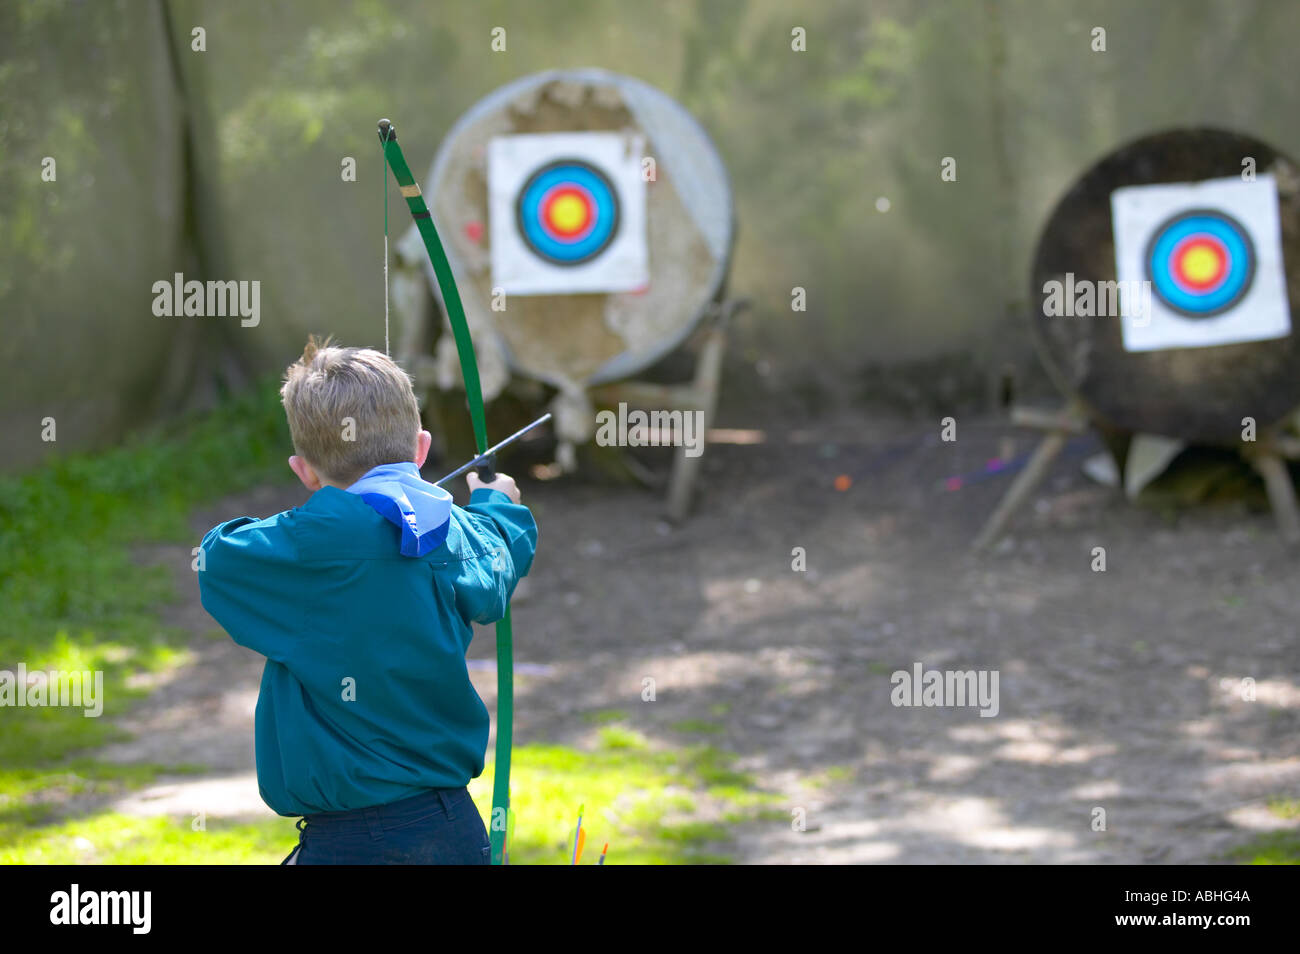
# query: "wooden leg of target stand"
1025,484
1061,427
1281,494
708,374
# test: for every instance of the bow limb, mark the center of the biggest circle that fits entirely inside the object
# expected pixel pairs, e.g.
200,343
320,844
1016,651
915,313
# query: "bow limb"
474,396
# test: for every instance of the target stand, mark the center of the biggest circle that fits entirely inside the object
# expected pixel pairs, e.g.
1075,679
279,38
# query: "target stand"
1165,277
1267,455
700,396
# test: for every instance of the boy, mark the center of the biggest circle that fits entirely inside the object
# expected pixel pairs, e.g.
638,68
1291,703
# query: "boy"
361,601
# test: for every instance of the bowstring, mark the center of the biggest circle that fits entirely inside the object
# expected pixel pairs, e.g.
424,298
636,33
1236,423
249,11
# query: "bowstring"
385,178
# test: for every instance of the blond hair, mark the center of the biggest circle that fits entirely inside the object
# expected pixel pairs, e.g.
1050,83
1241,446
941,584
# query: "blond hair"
349,410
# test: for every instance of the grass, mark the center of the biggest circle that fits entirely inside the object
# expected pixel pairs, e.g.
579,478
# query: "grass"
834,775
74,597
111,838
1274,847
651,805
1287,808
698,727
30,797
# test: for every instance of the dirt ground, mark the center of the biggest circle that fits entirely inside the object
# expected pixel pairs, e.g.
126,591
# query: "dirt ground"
1119,690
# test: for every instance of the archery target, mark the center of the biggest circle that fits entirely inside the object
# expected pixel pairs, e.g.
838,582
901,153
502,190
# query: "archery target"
567,213
1199,264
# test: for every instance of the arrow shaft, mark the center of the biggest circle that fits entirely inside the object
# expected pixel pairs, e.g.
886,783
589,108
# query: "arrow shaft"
483,457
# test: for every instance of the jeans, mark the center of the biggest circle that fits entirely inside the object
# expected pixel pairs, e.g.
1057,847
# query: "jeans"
439,827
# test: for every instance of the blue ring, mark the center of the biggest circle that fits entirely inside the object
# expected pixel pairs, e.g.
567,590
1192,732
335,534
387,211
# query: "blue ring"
606,212
1241,262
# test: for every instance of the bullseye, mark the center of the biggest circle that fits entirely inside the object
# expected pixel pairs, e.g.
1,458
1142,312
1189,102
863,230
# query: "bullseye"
568,212
1200,263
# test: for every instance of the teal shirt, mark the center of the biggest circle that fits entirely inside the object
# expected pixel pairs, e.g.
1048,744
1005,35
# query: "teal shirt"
365,698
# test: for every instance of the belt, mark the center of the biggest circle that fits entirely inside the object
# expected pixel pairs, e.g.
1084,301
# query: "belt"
375,818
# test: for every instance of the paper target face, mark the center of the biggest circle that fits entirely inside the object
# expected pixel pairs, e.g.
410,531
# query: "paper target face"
567,213
1199,264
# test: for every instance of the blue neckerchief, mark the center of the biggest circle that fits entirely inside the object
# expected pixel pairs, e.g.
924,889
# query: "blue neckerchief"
420,509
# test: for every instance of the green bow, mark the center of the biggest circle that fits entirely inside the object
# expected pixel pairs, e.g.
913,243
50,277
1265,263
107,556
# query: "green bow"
474,394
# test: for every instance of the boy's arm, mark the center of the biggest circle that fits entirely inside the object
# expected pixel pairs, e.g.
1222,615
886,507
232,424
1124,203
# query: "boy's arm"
243,583
507,534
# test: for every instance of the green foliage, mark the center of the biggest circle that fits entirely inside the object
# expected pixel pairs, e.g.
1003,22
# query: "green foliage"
75,598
